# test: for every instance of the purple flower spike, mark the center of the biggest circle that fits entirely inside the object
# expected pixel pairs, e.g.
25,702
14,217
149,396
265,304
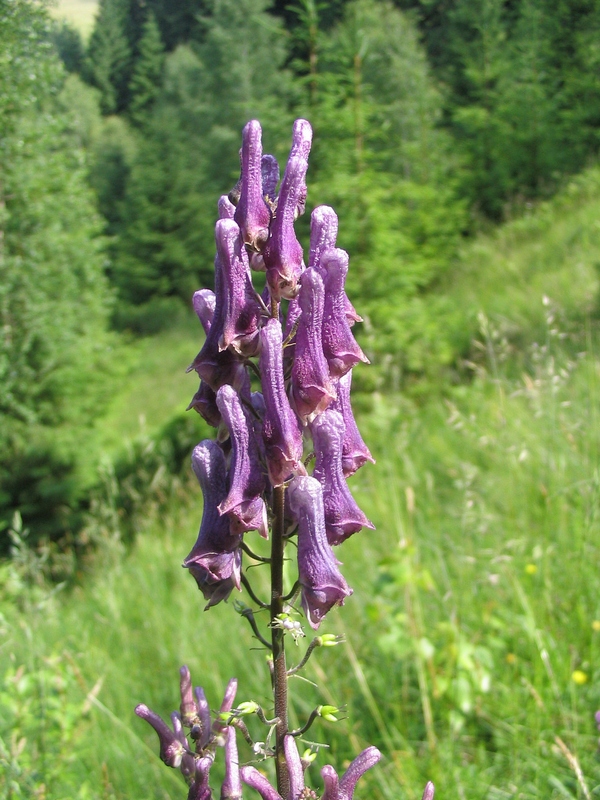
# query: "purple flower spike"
283,440
343,789
301,139
269,169
323,234
294,765
188,763
312,388
253,778
226,208
355,452
244,503
204,303
429,792
205,403
171,749
343,517
252,213
188,707
241,308
322,584
231,788
215,560
340,347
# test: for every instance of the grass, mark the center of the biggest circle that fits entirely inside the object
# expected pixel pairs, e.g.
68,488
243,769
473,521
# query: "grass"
473,635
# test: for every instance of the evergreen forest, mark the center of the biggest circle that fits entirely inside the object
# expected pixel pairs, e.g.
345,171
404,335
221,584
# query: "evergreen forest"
458,142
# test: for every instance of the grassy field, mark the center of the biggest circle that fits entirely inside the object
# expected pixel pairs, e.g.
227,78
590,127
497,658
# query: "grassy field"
473,635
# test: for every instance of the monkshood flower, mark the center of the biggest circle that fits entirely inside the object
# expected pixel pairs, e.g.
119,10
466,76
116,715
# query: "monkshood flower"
343,517
321,582
244,503
283,440
252,213
341,349
312,387
355,452
215,560
171,749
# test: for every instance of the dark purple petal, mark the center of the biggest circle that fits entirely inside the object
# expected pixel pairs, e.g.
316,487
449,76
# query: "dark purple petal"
204,302
187,766
244,503
355,452
312,388
215,366
294,765
204,715
171,749
339,345
205,403
283,255
331,783
323,234
270,177
343,517
364,761
282,437
253,778
252,213
242,309
215,560
321,582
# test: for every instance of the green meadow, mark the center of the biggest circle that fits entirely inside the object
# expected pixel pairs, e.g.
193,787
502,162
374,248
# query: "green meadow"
473,634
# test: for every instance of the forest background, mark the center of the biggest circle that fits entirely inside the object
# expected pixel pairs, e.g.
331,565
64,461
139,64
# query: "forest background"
457,141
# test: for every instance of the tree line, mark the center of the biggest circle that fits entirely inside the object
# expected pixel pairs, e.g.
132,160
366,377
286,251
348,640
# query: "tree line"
431,118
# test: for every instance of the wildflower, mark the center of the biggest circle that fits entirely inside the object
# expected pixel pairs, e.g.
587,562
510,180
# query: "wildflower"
252,213
171,749
355,452
579,677
321,582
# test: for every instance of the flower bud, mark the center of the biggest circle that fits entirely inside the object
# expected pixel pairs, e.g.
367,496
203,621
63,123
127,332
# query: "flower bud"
328,713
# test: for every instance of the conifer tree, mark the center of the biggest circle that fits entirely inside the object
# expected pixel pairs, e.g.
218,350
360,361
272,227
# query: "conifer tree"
146,80
109,56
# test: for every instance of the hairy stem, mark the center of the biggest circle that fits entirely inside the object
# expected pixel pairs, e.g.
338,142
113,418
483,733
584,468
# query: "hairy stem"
277,638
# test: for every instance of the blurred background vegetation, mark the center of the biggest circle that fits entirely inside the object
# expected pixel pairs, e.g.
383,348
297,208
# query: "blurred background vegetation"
458,141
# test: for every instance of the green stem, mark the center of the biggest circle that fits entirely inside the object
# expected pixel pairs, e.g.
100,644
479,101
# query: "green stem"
277,638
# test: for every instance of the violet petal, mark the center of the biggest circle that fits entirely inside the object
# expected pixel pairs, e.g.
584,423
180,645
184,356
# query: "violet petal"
244,502
283,440
226,209
321,582
331,783
364,761
204,302
294,765
231,788
339,345
343,517
252,213
312,388
323,234
205,403
355,452
215,560
429,792
200,790
171,749
188,707
188,765
204,716
242,310
270,177
253,778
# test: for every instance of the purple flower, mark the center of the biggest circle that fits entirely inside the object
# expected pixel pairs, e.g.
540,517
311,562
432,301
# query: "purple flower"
429,791
312,388
339,345
343,788
231,788
242,310
282,437
226,208
215,560
321,582
269,169
355,452
188,707
171,749
256,780
295,769
252,213
283,255
200,790
204,302
343,517
205,403
244,503
323,234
